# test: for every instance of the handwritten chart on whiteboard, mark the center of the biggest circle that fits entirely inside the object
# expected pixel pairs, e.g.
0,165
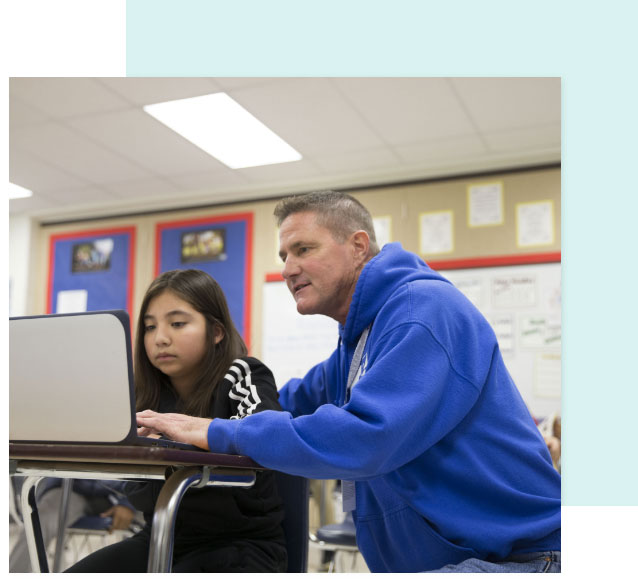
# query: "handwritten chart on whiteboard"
292,343
523,305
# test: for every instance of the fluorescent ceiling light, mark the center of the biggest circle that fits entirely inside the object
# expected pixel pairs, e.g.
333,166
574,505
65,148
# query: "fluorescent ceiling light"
17,192
224,129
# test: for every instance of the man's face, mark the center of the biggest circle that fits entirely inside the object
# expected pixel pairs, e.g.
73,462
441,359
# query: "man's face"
320,272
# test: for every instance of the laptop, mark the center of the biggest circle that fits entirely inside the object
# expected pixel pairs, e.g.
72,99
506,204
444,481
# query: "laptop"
71,381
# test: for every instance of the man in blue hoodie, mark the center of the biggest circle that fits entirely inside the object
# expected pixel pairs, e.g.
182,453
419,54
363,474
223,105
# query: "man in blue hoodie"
441,462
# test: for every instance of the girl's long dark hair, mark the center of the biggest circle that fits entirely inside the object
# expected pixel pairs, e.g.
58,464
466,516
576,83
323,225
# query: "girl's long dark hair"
205,295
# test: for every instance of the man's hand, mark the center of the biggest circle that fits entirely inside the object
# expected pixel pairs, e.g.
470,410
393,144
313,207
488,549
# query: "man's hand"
180,427
122,517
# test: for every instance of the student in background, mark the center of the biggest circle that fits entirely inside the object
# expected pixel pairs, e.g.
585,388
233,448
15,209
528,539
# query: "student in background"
87,497
550,428
442,464
189,358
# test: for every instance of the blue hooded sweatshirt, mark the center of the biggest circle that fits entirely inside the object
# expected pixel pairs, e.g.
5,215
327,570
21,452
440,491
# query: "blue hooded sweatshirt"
447,461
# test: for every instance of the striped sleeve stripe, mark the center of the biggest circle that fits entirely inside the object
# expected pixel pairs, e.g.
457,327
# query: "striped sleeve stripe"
243,389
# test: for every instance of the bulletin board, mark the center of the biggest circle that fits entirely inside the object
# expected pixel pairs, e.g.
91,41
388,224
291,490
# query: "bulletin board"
91,270
219,245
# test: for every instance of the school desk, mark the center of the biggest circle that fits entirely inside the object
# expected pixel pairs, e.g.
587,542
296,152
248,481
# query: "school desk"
181,469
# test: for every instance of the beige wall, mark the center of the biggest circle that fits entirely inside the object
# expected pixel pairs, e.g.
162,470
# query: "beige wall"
403,203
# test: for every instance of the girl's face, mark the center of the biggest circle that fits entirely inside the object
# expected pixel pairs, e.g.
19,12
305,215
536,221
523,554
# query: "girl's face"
175,339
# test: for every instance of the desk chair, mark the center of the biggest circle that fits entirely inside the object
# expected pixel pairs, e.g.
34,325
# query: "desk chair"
84,535
339,538
294,492
87,534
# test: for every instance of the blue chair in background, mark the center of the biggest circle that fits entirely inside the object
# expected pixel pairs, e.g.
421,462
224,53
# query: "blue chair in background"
340,538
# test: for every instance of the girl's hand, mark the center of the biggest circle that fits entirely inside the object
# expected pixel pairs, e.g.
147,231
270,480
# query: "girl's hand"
180,427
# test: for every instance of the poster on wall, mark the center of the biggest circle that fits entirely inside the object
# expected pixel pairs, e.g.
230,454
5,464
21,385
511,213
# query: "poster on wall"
485,204
91,270
219,245
436,232
535,223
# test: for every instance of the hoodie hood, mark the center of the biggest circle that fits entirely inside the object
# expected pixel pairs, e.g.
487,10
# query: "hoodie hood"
379,279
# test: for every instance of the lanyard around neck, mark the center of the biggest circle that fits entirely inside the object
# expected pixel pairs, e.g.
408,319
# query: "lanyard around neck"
356,361
347,486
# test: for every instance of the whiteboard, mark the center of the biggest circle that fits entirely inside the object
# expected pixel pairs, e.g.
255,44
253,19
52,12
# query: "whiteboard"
522,303
291,343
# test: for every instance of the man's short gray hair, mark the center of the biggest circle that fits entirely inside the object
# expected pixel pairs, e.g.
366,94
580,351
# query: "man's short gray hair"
338,212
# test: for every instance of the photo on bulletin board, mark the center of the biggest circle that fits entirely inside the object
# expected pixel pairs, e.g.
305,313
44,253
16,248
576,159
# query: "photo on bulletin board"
92,255
207,245
91,270
220,245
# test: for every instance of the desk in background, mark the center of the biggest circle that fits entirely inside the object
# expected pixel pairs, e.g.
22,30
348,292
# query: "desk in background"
181,469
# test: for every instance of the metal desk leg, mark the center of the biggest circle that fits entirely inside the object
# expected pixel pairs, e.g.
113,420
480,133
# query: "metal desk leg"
67,483
160,557
33,532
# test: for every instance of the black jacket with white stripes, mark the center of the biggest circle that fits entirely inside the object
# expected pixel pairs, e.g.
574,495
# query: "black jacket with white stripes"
217,513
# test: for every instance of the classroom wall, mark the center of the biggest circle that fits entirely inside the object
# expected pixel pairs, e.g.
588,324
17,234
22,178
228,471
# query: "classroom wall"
403,203
22,242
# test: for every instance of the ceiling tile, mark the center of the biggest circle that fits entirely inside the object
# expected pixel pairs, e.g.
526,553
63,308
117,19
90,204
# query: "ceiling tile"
146,91
539,137
22,114
230,84
507,103
141,188
431,152
37,202
404,110
368,159
309,114
65,97
87,194
281,172
75,154
27,171
146,142
213,181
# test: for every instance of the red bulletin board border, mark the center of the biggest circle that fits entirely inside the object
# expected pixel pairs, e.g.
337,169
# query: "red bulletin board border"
495,261
467,263
248,268
53,239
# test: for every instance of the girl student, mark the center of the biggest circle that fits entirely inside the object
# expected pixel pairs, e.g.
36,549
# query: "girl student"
190,359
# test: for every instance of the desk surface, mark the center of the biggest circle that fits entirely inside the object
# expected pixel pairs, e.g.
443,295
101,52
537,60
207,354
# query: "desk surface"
121,454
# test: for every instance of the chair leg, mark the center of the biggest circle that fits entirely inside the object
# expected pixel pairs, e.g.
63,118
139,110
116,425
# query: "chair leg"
67,484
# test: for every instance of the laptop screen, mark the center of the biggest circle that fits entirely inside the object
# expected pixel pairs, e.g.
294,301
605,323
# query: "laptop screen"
70,378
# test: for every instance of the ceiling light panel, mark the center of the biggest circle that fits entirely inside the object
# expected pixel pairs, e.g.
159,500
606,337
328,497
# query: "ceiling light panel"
17,192
224,129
